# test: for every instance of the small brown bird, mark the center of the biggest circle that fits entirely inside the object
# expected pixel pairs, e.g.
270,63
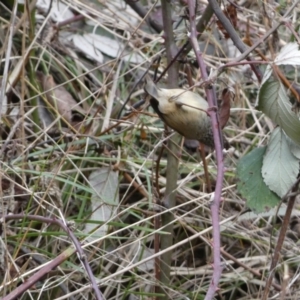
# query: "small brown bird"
183,111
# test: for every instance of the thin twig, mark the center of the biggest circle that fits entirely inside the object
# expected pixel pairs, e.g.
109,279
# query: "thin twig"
7,56
143,13
266,35
216,199
234,36
172,165
58,260
291,198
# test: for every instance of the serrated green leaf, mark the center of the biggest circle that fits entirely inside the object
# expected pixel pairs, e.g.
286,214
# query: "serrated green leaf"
294,148
280,166
251,184
274,102
288,55
267,75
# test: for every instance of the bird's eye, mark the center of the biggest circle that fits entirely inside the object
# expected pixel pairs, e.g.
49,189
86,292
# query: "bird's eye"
173,98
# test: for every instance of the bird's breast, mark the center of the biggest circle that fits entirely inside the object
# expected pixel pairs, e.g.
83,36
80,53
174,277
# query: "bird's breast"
192,124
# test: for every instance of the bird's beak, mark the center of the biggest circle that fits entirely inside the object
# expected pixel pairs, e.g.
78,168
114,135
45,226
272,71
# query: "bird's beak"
151,89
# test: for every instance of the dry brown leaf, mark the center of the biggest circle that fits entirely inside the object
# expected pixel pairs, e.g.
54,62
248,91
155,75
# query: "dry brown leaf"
231,13
59,98
224,110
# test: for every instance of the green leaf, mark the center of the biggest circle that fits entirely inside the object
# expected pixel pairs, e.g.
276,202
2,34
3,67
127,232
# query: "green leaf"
251,184
280,166
295,148
288,55
105,184
274,102
105,198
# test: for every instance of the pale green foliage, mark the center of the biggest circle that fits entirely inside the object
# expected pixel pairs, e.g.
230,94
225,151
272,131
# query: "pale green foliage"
104,200
251,184
275,103
280,166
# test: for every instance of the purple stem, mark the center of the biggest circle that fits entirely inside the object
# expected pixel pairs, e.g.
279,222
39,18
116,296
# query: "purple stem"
212,101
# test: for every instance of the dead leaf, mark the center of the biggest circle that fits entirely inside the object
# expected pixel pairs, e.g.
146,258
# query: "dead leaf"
59,98
143,134
231,14
224,110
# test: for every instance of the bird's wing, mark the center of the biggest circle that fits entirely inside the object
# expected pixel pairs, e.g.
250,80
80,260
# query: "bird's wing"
188,101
